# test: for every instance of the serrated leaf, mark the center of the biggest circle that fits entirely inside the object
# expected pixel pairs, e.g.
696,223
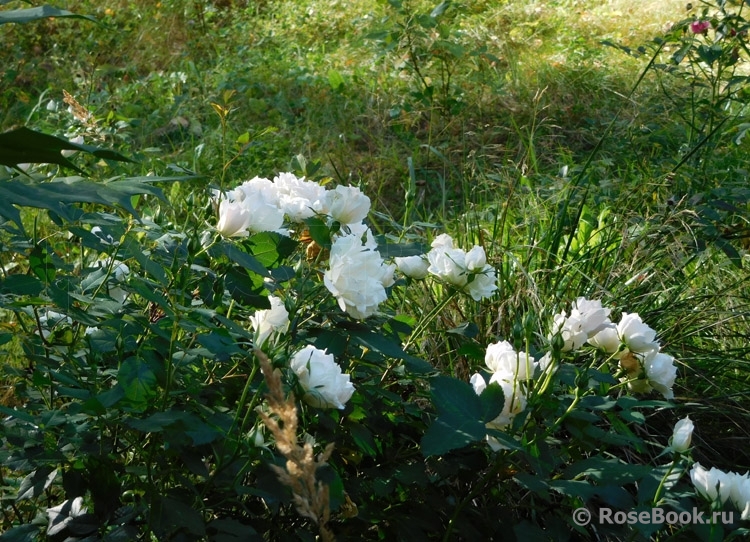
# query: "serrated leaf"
35,483
460,417
23,533
41,264
492,400
248,261
137,379
271,248
449,432
28,15
22,145
318,231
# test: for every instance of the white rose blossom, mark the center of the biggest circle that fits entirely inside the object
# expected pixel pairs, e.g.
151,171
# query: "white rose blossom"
320,376
299,198
61,515
587,318
501,357
234,219
712,484
347,204
412,266
120,274
266,322
682,435
635,334
514,401
740,495
661,373
357,276
606,339
467,271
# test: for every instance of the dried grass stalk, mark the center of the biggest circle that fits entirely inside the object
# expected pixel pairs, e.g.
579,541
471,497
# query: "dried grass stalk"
310,496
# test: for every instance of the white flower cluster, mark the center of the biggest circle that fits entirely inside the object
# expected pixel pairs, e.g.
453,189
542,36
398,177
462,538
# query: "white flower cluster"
630,341
509,368
357,276
261,204
467,271
715,484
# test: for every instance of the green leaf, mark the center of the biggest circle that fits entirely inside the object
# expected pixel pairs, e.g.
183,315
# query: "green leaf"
440,9
392,250
319,232
23,533
493,401
459,421
36,482
167,514
41,12
137,379
389,348
41,264
133,249
336,80
248,261
54,196
608,470
574,488
271,248
21,285
22,145
467,329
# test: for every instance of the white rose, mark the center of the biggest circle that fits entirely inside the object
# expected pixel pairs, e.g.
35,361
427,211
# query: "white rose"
571,331
62,515
268,321
78,140
682,435
482,284
476,259
468,271
606,339
660,372
120,273
636,335
706,482
357,276
263,216
361,230
740,494
348,204
260,187
442,241
501,357
51,319
448,264
299,198
320,376
515,401
234,219
412,266
593,317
